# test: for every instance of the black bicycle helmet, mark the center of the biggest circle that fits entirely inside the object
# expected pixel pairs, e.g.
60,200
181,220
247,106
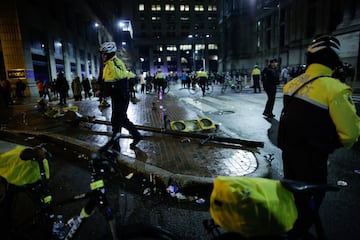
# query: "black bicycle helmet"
108,47
324,50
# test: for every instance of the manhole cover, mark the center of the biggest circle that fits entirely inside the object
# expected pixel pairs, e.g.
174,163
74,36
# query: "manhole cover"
223,112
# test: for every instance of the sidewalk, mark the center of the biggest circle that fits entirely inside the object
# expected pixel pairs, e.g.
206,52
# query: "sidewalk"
177,159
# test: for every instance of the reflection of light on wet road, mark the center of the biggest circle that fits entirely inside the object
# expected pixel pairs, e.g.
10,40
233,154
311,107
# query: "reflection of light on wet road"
237,163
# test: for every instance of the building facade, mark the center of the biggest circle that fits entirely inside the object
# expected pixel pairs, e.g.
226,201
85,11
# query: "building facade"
176,35
254,31
40,38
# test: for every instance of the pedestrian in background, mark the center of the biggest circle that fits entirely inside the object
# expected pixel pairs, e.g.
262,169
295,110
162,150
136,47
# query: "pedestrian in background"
76,88
47,90
142,83
270,79
116,86
40,87
284,75
87,87
20,87
318,117
255,74
6,91
183,78
62,87
132,83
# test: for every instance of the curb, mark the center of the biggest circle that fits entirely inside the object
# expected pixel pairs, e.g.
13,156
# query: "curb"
165,177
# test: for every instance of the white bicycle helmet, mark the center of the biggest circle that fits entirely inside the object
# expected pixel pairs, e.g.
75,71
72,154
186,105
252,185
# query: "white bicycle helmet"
324,42
108,47
324,50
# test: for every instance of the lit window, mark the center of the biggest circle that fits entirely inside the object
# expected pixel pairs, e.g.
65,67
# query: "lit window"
212,8
212,46
169,7
199,8
184,8
155,18
155,7
199,47
159,48
171,48
141,7
185,47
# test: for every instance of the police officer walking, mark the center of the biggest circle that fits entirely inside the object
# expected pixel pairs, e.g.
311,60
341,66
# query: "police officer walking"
116,86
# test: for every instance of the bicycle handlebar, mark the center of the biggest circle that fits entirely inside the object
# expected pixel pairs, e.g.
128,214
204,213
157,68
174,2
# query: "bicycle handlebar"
302,187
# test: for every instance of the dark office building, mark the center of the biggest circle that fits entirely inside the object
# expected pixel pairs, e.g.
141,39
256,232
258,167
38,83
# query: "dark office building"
176,35
254,31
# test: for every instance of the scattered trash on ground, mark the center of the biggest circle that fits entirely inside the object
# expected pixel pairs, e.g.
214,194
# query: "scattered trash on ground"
173,190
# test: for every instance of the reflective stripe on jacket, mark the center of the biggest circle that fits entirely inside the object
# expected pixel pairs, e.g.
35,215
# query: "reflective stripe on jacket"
320,109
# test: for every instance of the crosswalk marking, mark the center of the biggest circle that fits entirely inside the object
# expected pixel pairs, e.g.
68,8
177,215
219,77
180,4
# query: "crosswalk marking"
218,102
199,105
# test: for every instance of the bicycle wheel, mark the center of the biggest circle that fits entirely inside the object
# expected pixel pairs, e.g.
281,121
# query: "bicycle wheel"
223,88
238,88
209,89
166,88
194,89
144,231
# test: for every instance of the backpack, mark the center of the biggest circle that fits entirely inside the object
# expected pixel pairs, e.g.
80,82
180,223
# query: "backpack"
252,206
19,172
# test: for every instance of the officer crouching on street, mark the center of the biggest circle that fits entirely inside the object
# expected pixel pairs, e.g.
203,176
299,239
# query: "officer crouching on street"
116,86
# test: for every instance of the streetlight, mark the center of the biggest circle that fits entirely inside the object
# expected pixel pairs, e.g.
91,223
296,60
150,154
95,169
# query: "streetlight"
278,33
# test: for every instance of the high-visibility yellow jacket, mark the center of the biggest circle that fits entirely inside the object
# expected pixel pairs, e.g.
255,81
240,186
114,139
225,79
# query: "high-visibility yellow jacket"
255,71
160,75
114,70
201,74
321,113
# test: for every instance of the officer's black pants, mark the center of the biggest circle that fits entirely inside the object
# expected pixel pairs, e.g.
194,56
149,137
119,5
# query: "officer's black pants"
271,93
119,116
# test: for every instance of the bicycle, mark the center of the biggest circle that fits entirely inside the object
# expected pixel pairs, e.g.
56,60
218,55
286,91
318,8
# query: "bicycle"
235,84
196,88
45,224
299,189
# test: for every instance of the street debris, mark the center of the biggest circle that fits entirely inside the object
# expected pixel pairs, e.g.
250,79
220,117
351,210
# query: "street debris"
173,190
342,183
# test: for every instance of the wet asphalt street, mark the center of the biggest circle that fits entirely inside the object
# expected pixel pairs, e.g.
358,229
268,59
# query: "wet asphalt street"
340,211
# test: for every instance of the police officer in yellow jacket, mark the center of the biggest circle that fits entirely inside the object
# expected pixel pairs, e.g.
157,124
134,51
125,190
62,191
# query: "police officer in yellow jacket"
318,117
255,74
117,87
160,79
202,78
